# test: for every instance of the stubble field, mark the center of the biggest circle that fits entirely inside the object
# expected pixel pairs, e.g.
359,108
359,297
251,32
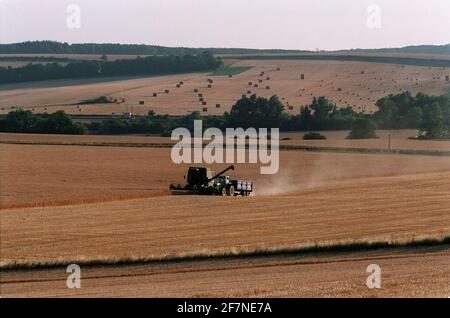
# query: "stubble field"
91,205
346,83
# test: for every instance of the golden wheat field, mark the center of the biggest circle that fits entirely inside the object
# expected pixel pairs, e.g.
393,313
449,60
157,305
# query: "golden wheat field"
34,175
91,204
354,84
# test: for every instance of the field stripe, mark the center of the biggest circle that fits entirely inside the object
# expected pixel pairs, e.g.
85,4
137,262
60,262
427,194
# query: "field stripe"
354,246
281,147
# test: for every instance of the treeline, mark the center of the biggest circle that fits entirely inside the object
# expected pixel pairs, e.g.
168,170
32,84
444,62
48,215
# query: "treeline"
24,121
36,59
52,47
151,65
429,114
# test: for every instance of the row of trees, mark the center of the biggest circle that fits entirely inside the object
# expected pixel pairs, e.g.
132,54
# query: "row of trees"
431,116
151,65
53,47
24,121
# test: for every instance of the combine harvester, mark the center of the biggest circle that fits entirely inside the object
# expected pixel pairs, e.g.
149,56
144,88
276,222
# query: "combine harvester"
201,181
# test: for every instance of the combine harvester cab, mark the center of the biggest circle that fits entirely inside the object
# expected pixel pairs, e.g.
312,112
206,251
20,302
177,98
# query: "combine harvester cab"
200,180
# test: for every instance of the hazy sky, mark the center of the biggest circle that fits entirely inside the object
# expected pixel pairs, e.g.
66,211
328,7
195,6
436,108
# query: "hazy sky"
288,24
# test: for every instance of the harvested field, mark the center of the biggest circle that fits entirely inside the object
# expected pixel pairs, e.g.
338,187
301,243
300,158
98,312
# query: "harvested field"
77,204
417,272
383,208
360,84
54,175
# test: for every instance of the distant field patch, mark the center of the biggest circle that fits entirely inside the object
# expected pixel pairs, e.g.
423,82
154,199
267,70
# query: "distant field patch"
225,71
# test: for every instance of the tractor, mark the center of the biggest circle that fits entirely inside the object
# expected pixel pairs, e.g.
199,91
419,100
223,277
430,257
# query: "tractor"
201,180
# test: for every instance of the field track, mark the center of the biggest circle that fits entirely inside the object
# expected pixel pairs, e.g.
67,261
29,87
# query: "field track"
406,272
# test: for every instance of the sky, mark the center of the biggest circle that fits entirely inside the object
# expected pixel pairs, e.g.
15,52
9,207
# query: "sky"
278,24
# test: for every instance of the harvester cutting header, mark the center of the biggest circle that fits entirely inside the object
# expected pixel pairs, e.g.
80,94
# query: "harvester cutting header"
201,180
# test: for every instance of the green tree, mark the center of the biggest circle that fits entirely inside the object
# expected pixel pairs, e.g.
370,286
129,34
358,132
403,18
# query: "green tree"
363,129
256,112
387,114
414,117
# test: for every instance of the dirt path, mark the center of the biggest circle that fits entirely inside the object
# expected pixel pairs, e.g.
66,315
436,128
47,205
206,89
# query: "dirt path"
405,272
